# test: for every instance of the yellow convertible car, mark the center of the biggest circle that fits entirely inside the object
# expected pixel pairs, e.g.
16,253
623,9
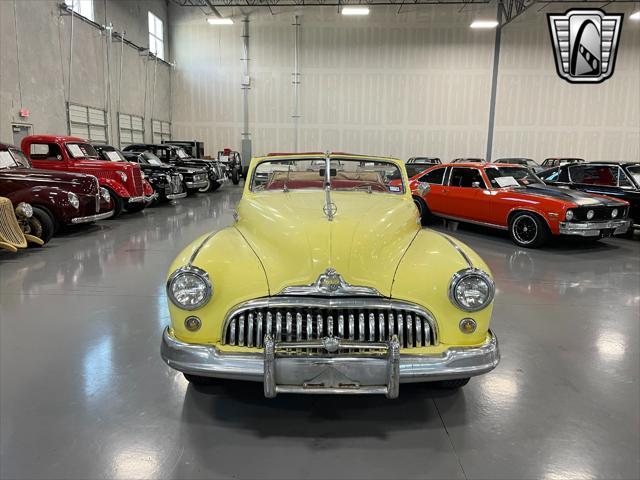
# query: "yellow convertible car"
327,284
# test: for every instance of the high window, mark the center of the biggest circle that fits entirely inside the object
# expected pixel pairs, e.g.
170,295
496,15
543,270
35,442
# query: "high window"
156,36
81,7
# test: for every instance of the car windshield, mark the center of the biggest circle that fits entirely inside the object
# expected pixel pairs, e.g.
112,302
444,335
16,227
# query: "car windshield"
181,153
363,174
503,177
634,171
113,155
81,150
12,158
151,159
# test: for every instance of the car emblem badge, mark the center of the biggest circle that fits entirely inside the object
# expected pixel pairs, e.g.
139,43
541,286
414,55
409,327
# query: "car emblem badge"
329,280
331,344
585,43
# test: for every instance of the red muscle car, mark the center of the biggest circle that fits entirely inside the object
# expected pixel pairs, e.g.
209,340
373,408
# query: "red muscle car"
511,197
57,198
123,180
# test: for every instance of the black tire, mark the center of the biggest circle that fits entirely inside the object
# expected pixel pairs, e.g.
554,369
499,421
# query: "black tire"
235,175
135,207
528,230
198,380
426,217
215,186
118,203
191,191
41,225
452,384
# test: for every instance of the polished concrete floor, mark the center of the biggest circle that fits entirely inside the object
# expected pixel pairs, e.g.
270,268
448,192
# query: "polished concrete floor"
84,393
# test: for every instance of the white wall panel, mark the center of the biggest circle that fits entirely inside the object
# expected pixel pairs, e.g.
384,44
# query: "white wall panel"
539,115
403,85
417,83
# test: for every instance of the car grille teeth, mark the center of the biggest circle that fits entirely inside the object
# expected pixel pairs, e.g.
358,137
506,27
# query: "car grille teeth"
249,327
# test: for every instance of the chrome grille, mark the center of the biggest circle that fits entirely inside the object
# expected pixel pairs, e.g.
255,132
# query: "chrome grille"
176,184
10,231
137,180
360,320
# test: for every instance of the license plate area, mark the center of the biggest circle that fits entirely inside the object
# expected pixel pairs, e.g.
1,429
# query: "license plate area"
337,366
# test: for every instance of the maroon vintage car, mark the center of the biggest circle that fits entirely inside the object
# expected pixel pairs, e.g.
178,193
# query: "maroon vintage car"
57,198
123,180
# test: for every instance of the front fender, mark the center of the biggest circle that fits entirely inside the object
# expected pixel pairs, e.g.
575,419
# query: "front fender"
423,277
236,275
114,185
552,218
53,199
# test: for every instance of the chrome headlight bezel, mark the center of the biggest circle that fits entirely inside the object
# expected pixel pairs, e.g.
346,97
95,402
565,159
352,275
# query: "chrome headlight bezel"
24,210
105,195
569,215
464,274
192,271
73,200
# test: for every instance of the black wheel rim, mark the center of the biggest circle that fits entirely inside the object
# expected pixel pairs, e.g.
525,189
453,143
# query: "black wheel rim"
525,229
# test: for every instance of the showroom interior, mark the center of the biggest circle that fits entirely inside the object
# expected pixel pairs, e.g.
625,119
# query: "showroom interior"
436,203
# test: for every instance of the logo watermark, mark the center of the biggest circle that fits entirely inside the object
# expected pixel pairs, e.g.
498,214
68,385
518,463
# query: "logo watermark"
585,43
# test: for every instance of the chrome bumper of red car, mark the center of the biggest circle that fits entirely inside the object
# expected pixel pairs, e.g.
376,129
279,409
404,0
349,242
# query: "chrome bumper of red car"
595,229
92,218
143,198
378,368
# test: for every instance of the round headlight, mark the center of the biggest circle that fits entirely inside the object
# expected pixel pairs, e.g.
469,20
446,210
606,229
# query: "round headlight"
189,288
569,215
180,176
167,178
24,210
123,176
104,193
73,199
614,213
471,290
590,214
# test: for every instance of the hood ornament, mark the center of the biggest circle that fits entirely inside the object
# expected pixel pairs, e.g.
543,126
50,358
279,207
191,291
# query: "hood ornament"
330,283
329,208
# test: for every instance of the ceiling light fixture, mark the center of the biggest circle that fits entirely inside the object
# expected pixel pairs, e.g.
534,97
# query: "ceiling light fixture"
484,24
219,21
635,15
355,11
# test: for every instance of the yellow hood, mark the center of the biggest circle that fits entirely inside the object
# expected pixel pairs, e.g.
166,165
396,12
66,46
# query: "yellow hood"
295,241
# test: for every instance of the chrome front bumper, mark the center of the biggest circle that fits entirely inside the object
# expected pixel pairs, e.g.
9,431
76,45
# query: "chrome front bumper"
142,198
92,218
196,184
175,196
594,229
380,368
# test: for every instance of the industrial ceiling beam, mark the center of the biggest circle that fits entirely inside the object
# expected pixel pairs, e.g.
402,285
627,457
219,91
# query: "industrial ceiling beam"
510,8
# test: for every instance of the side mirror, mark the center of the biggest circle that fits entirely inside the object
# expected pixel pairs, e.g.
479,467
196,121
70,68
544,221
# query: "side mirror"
423,188
475,185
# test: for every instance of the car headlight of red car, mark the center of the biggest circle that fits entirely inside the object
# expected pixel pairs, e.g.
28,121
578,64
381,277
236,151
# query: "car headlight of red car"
471,290
189,288
123,176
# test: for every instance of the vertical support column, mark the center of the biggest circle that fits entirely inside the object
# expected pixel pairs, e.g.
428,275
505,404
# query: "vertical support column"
295,81
246,85
494,84
120,84
109,30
